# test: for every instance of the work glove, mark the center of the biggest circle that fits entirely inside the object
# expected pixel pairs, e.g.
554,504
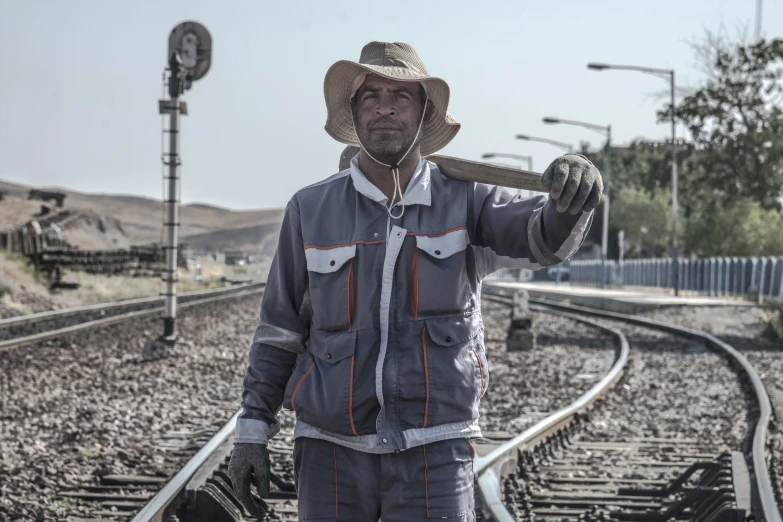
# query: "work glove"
574,183
250,462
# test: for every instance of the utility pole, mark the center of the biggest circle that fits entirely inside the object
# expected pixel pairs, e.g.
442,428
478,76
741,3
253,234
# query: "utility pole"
675,268
607,199
621,256
758,20
675,204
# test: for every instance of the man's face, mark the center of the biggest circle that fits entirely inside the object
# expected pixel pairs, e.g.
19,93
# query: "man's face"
387,115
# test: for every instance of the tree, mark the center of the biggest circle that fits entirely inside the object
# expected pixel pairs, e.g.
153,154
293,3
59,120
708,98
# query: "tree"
739,227
730,173
710,225
641,197
735,122
646,220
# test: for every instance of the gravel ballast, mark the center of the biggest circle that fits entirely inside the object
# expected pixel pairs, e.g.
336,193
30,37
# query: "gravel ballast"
525,386
741,327
674,387
72,413
675,397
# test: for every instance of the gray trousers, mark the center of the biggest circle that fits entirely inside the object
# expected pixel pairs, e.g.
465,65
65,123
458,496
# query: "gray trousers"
434,481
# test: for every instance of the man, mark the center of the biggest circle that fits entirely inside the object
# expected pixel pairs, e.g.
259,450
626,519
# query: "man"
371,325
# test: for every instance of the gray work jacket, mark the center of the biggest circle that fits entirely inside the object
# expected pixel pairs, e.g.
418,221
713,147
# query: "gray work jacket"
371,327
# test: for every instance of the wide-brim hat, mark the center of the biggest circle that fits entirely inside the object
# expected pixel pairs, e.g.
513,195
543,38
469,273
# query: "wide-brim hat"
395,61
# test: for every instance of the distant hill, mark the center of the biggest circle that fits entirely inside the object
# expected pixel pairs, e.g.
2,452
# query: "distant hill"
14,189
140,219
260,239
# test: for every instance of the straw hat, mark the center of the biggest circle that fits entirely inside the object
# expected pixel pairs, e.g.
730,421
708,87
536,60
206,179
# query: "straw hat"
395,61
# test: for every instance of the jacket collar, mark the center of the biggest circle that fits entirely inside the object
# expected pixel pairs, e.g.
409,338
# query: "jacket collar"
417,193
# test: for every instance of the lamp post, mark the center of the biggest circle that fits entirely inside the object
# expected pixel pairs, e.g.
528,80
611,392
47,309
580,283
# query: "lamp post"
518,157
565,146
606,130
658,72
569,149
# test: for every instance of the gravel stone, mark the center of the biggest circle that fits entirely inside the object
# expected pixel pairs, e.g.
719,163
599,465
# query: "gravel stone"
84,406
526,386
740,326
79,407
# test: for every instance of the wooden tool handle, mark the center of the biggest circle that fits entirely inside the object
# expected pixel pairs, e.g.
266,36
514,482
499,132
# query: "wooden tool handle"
466,170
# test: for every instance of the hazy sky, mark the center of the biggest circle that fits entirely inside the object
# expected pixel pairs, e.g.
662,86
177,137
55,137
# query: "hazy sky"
80,80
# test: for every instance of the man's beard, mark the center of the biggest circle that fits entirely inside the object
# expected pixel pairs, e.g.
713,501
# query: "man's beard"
388,148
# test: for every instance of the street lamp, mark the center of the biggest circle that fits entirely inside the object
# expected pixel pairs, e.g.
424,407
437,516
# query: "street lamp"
570,149
566,146
607,130
518,157
670,73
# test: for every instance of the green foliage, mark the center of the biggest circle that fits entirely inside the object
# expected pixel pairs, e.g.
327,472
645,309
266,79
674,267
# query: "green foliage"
5,289
709,224
646,220
734,228
641,165
736,121
772,328
730,175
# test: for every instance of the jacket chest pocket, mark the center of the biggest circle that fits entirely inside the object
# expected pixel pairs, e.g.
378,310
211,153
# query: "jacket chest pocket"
440,278
331,286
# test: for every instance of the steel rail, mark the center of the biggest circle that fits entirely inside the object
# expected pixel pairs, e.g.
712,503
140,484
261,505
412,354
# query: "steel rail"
766,493
51,334
491,468
24,320
166,501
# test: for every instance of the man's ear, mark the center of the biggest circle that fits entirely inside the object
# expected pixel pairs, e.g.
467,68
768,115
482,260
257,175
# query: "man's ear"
429,112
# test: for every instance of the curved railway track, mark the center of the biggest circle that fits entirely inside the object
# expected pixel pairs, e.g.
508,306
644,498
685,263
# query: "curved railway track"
202,492
80,404
33,328
560,467
575,471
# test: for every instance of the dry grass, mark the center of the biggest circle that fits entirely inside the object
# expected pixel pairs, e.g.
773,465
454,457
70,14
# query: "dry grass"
96,288
20,290
15,212
772,328
22,293
210,269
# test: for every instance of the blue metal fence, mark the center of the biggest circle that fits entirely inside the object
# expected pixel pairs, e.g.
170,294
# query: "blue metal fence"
713,276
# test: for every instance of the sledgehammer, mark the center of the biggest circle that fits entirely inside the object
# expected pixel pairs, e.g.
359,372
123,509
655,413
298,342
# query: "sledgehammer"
466,170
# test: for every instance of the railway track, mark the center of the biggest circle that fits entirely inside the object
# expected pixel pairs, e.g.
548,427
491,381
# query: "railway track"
575,465
563,467
87,424
202,492
33,328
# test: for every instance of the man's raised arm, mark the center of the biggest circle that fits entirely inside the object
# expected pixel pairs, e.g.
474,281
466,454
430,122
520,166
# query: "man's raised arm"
511,232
